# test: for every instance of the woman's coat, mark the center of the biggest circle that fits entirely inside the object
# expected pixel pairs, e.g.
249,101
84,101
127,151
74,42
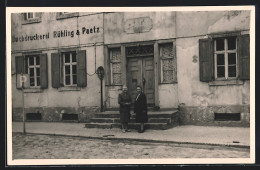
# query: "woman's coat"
140,108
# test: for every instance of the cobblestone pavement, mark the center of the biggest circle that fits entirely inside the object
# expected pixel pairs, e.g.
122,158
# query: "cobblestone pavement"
32,146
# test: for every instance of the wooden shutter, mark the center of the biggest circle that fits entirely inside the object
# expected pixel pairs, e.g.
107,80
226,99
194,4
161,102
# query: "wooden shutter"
19,61
81,69
44,71
55,70
206,60
19,66
244,57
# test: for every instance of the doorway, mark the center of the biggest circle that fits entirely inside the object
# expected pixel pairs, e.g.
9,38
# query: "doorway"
140,71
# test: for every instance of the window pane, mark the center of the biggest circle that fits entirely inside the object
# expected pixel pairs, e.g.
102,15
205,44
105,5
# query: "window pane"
38,81
116,68
67,69
37,71
37,60
231,58
30,15
74,57
31,61
116,78
74,79
167,76
31,81
31,72
168,64
67,80
67,57
231,71
220,44
221,71
220,59
115,54
74,69
231,43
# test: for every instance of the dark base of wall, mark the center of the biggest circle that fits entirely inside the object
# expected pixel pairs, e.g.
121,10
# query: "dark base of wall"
55,114
205,115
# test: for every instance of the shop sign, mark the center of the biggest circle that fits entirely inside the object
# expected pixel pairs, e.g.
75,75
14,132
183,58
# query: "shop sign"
57,34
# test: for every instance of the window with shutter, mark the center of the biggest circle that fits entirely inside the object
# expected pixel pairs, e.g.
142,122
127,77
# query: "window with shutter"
69,69
35,66
224,58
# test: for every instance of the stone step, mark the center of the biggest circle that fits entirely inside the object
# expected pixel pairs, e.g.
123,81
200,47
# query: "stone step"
132,120
155,126
102,120
111,114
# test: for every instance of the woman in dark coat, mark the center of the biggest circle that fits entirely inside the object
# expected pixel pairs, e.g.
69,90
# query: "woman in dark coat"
140,108
124,100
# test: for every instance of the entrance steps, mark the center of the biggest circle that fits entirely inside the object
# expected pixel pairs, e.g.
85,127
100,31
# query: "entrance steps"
157,120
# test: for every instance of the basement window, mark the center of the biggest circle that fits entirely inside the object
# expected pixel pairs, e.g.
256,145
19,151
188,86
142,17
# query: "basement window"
33,116
227,116
69,116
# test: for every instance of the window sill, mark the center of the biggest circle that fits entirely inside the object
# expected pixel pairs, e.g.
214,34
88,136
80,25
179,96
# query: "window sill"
169,82
69,88
226,82
33,90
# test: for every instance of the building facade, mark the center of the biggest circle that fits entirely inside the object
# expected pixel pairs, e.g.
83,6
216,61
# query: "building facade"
197,61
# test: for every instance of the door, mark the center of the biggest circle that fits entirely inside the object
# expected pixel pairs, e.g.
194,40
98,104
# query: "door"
140,71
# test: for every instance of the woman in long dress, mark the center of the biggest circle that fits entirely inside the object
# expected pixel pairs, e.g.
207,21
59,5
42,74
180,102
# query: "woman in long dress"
124,100
140,108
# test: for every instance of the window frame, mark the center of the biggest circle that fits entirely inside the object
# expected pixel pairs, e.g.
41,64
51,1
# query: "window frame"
71,63
161,58
225,52
34,66
33,14
111,62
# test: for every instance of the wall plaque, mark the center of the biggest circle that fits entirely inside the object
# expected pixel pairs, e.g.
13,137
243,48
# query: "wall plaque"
138,25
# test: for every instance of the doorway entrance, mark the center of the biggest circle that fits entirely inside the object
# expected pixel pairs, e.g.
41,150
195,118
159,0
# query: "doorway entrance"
140,71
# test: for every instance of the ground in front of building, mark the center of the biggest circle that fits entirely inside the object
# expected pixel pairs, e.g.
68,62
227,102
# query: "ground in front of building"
31,146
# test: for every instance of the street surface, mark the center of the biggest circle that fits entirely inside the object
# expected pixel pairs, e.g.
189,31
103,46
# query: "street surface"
33,146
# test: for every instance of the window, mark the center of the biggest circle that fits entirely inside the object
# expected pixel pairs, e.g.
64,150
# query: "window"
168,63
35,65
224,58
34,70
69,69
115,65
32,17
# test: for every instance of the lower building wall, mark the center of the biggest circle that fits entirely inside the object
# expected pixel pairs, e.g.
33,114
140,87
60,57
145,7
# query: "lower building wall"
205,115
54,114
